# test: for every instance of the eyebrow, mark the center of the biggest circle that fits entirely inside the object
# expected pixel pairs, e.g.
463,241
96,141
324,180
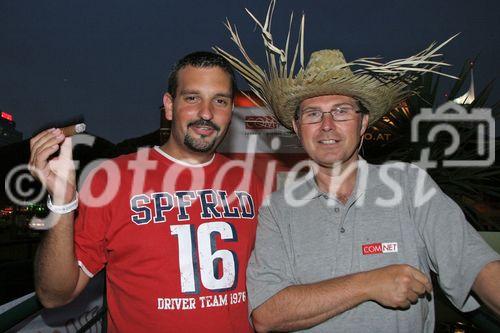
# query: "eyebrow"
223,95
314,108
189,92
197,92
311,108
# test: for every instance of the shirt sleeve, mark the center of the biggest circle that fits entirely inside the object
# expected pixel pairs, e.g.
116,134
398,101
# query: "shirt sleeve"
91,225
268,270
456,252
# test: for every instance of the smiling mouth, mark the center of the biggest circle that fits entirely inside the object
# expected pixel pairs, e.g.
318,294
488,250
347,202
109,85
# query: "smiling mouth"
328,142
203,130
203,127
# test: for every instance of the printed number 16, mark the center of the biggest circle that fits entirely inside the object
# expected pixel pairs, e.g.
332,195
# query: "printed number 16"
207,257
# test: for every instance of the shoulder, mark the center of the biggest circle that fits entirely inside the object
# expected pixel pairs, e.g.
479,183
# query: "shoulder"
100,171
295,188
391,167
237,168
407,174
121,161
417,186
141,154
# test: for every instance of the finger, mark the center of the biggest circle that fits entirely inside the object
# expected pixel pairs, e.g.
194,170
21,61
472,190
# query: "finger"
36,158
404,305
41,138
417,287
54,137
40,163
422,278
39,135
37,141
412,297
43,156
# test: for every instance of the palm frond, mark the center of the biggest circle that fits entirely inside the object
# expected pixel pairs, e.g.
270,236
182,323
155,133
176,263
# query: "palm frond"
467,186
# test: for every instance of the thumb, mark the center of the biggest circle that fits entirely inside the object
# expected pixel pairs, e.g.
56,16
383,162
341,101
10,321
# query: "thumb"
63,165
66,152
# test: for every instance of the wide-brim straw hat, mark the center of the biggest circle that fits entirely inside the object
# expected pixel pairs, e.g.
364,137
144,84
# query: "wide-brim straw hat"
379,87
327,74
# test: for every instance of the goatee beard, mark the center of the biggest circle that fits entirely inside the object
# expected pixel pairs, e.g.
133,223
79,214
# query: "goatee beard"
200,145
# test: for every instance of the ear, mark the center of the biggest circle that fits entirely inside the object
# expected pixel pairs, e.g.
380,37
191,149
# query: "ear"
364,124
168,105
295,126
296,129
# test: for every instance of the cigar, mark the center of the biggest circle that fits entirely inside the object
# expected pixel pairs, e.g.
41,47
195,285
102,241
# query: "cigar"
73,129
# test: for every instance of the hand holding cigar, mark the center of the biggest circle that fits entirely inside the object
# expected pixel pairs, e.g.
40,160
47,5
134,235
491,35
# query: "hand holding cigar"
73,129
55,171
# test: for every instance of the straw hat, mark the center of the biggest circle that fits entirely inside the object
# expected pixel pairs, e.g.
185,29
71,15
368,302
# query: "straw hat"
378,86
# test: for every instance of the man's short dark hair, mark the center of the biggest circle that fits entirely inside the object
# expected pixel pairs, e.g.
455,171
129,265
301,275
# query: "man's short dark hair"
201,59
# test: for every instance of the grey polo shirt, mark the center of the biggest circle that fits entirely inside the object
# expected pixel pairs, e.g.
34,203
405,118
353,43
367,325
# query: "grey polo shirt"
396,215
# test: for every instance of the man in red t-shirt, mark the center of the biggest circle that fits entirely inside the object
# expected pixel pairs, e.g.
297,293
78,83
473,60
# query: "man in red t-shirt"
173,225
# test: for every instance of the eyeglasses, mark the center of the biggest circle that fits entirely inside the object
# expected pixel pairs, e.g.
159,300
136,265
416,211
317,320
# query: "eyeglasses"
339,113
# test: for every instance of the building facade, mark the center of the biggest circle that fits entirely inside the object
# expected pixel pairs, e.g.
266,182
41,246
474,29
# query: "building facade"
8,132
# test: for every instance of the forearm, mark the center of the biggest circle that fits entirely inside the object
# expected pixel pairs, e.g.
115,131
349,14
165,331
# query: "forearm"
303,306
487,286
56,268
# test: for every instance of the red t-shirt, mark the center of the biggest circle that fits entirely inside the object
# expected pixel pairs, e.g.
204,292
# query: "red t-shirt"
175,240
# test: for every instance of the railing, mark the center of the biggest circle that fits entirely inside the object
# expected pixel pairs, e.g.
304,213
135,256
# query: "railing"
29,307
18,313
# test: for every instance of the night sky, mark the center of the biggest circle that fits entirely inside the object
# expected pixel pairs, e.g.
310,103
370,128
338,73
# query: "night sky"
108,61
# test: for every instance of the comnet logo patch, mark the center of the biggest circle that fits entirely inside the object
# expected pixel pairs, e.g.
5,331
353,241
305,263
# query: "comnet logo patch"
378,248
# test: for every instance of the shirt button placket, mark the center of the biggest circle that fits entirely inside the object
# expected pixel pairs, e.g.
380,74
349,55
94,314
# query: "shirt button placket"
337,213
345,244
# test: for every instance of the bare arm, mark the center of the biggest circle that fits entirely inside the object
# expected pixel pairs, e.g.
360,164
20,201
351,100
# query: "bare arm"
303,306
58,279
487,286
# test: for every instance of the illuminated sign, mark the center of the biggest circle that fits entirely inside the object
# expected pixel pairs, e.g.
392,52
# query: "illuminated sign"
7,116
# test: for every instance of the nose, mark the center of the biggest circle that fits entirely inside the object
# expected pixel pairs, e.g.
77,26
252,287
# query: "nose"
327,123
206,112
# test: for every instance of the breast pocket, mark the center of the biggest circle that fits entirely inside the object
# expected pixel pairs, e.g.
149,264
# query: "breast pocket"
312,252
311,268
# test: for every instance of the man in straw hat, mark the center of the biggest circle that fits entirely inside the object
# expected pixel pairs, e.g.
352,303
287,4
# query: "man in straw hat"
350,246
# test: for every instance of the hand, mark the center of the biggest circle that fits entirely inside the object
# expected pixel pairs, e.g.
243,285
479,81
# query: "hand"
397,286
56,174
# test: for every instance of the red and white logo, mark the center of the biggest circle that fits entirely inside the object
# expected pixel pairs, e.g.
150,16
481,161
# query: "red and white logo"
377,248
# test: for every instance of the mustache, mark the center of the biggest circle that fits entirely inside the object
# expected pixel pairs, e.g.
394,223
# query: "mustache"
205,123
